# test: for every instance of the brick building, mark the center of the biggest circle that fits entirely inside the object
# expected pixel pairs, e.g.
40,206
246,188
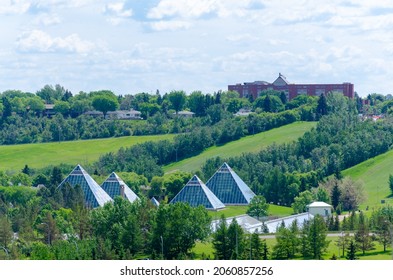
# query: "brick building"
281,84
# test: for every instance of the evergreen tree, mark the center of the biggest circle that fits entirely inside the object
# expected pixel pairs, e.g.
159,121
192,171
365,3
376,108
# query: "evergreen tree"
335,196
351,251
256,247
236,240
391,183
55,179
220,241
314,241
362,235
26,170
322,107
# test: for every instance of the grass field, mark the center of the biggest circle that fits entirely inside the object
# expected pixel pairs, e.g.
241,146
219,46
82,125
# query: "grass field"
374,173
206,249
232,211
14,157
253,143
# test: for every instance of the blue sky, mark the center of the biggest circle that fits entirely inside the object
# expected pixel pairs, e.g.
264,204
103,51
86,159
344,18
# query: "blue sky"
131,46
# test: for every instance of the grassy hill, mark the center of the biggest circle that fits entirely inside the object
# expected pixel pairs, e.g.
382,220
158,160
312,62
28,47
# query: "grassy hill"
374,173
253,143
15,157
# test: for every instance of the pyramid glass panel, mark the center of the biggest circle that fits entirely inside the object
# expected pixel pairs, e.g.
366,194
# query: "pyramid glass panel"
196,193
229,187
115,186
94,195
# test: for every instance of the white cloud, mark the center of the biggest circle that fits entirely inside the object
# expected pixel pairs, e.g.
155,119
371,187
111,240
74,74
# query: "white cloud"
39,41
117,12
47,19
182,9
170,25
13,7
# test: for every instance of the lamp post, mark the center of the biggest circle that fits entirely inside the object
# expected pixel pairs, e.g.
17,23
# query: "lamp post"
6,251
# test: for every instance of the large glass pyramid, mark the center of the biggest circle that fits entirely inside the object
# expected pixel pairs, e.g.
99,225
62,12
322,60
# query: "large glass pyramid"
196,193
95,196
229,188
115,186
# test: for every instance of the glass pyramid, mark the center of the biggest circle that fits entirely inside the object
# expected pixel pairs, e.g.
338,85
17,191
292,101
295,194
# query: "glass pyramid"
115,186
95,196
196,193
229,187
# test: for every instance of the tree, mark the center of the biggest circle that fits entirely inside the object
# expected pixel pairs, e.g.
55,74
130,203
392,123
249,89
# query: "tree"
257,248
342,242
177,99
352,194
362,235
391,183
236,242
301,202
26,170
177,227
7,108
105,103
5,231
220,240
351,250
314,242
335,196
287,242
258,207
55,179
322,107
118,223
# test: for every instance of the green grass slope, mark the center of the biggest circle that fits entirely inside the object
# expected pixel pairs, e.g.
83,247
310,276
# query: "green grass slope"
248,144
374,173
72,152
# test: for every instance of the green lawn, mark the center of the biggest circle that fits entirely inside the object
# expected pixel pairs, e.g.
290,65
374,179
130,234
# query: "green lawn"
14,157
206,249
374,173
250,144
232,211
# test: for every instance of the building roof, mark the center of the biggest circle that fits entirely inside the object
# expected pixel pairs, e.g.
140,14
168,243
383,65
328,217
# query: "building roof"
229,187
281,80
113,186
196,193
95,196
319,204
185,113
272,225
247,223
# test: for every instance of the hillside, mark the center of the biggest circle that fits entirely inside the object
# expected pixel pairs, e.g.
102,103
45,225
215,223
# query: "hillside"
248,144
374,173
15,157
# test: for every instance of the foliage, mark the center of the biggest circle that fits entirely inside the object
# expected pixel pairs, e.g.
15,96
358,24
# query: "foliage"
313,238
258,207
176,229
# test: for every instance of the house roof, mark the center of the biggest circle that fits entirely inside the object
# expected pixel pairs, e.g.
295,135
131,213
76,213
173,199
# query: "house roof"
319,204
196,193
113,184
229,187
185,113
281,80
94,195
